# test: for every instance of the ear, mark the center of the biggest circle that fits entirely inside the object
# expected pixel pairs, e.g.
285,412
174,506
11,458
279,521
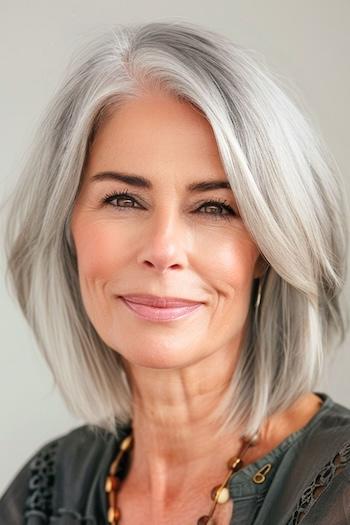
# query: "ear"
261,267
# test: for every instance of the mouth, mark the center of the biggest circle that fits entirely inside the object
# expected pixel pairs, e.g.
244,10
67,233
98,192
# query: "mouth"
160,309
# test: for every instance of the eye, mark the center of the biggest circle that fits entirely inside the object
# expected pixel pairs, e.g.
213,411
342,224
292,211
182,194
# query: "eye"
225,210
119,197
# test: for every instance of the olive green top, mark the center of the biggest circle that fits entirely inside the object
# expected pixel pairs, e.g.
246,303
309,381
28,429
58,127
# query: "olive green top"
280,488
306,478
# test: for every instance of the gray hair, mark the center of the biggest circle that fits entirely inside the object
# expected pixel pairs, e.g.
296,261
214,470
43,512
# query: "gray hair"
287,186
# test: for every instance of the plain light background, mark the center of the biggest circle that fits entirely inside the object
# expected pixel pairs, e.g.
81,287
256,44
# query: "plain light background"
305,42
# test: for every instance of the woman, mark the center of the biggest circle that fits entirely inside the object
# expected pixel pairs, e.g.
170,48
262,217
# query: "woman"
180,251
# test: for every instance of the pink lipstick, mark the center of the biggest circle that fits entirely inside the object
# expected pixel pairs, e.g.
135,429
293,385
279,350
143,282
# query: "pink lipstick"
158,309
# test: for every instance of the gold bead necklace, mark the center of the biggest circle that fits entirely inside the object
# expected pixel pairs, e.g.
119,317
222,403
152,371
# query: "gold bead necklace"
219,494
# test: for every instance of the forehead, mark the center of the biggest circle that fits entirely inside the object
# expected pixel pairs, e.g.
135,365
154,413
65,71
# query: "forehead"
156,133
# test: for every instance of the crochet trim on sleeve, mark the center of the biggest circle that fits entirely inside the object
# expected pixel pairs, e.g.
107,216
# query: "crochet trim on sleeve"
41,481
320,483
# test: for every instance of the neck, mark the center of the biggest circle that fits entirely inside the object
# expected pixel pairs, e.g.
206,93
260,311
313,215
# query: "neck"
175,442
173,424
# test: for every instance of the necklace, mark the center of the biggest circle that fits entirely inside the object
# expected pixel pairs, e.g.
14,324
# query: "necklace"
219,494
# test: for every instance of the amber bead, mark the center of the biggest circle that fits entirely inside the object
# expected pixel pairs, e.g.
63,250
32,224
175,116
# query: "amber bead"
113,515
112,483
126,443
234,464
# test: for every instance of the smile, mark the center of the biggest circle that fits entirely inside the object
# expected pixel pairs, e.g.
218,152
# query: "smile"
152,313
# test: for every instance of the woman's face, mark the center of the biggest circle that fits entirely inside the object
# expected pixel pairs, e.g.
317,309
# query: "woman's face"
163,236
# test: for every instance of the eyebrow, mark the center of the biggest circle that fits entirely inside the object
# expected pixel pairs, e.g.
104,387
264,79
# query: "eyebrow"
142,182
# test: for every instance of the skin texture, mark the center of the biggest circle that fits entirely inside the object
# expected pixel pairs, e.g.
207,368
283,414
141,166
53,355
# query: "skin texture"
166,241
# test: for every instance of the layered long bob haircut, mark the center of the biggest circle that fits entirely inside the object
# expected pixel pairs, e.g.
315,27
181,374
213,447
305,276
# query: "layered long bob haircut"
287,186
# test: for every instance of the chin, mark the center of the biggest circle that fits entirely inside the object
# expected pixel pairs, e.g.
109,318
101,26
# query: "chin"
160,358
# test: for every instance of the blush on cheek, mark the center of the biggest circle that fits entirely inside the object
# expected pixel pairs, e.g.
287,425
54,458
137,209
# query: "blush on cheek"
231,260
96,248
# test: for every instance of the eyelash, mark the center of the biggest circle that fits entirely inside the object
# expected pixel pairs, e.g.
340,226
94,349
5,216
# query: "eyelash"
211,202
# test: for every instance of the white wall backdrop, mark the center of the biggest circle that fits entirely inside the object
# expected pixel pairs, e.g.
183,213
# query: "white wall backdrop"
307,43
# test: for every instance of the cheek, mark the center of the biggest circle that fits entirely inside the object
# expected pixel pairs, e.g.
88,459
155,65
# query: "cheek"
98,250
233,258
232,264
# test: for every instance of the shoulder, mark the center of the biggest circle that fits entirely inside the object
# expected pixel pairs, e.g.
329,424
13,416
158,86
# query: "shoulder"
54,473
67,453
328,440
323,437
321,470
314,473
331,427
337,411
79,444
84,435
325,498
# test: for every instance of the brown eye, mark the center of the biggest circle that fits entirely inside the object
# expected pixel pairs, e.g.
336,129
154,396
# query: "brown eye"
119,197
225,210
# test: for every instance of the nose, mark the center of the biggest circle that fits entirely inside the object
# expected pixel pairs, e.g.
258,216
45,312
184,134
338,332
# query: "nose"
163,242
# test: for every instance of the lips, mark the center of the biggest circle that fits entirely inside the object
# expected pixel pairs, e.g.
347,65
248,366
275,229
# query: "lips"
154,308
159,302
